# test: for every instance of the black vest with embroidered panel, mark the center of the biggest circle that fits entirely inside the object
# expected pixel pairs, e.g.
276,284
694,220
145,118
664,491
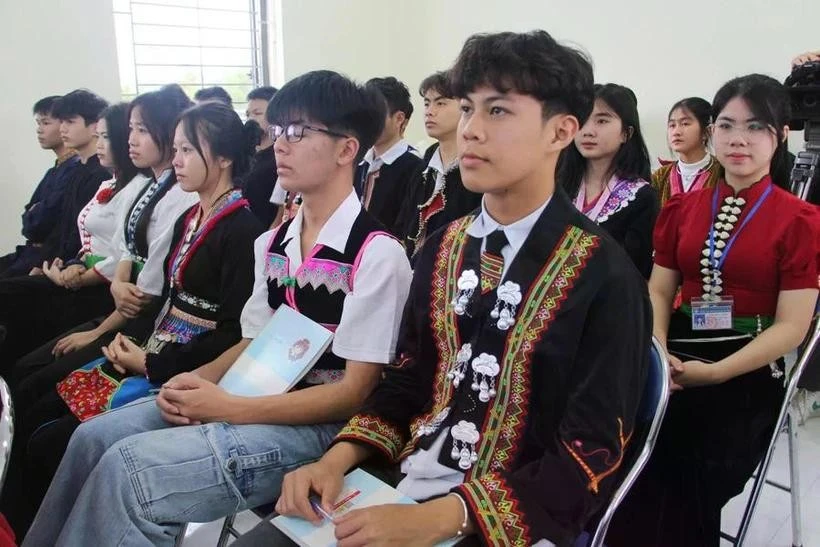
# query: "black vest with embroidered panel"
320,285
139,217
436,209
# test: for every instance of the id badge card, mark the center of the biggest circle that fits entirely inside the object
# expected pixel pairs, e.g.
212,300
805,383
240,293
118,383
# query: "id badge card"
712,314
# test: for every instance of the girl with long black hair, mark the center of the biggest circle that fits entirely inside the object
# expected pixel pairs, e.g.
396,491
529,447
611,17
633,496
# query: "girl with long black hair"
607,170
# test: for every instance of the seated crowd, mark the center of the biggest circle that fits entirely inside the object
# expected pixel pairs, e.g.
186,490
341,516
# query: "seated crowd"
492,300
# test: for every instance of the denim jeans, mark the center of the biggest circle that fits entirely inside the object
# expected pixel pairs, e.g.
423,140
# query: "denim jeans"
129,479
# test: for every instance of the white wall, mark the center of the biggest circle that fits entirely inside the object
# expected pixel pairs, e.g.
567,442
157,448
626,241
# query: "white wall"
663,50
47,47
362,39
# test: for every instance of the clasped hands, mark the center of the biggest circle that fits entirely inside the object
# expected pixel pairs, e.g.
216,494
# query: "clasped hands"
129,300
685,374
188,399
69,277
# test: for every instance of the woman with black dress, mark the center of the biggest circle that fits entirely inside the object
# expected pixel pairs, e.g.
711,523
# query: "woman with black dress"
745,256
607,173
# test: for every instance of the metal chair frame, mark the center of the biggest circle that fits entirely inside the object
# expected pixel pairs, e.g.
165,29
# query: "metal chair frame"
785,422
6,430
658,360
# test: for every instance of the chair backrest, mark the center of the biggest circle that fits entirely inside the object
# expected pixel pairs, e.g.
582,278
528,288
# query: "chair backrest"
652,409
805,355
6,430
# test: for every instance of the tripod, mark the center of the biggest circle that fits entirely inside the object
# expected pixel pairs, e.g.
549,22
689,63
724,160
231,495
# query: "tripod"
805,171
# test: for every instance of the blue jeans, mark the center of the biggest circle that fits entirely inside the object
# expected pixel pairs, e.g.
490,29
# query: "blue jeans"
128,478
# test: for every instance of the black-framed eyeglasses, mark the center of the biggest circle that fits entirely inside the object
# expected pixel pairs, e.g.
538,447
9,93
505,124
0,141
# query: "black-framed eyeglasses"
294,132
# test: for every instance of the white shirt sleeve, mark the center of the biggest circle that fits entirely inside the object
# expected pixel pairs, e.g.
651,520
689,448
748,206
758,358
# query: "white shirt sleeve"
160,233
279,194
257,312
372,312
107,267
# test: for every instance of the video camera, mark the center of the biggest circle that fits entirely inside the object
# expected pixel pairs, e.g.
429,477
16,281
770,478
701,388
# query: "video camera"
804,90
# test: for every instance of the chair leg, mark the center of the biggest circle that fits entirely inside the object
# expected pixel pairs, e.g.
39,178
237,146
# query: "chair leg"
181,535
757,487
227,531
794,476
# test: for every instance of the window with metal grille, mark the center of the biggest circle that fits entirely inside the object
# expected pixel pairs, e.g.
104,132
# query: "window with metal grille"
194,43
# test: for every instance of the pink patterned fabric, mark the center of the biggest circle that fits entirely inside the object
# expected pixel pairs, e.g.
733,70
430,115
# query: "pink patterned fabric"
335,276
622,193
276,267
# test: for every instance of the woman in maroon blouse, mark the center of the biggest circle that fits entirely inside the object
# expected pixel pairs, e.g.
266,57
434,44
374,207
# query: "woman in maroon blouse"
745,255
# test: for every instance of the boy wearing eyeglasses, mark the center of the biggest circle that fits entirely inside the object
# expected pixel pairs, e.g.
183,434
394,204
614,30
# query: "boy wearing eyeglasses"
524,342
130,476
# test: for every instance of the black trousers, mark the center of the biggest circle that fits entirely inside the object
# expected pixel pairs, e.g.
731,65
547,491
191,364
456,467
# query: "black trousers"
43,426
38,461
710,443
34,310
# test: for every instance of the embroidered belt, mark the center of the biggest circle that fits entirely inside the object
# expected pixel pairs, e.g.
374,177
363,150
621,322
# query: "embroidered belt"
196,301
180,327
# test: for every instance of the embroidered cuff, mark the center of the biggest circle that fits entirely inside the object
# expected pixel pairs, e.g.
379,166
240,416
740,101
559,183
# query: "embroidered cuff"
495,511
375,432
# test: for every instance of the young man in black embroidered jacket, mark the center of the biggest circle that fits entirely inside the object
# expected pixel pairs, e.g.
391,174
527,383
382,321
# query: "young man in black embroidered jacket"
437,195
524,344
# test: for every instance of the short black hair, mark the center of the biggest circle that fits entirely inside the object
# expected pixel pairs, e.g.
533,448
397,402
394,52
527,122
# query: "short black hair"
698,108
395,94
438,81
45,106
80,102
214,93
531,63
327,97
265,93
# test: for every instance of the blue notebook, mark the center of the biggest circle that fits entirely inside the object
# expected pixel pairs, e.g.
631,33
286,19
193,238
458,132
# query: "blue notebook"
361,489
275,361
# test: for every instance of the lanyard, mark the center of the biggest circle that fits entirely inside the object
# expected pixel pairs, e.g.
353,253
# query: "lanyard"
731,242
